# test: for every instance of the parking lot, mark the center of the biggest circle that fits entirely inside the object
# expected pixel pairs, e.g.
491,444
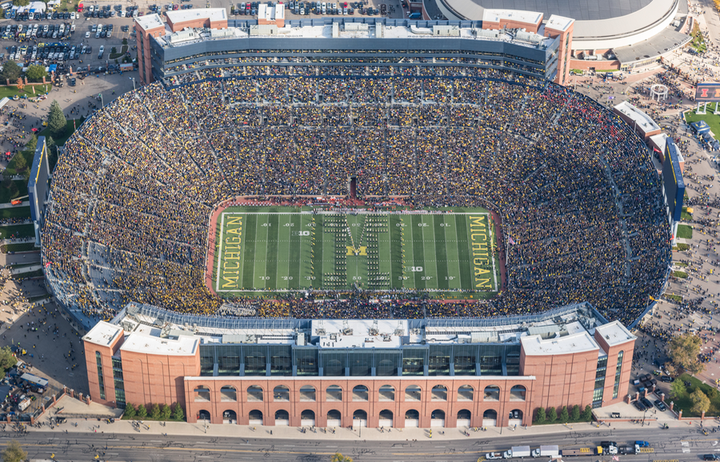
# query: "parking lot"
78,41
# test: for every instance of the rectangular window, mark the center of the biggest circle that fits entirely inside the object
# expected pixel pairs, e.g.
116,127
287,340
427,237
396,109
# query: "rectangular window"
101,379
618,372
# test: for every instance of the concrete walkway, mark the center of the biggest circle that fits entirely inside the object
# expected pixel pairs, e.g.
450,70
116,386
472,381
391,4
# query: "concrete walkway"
99,424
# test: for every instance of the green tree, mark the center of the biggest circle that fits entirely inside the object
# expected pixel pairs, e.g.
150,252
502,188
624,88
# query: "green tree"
14,452
701,403
130,411
683,351
564,415
11,71
540,415
551,415
678,389
712,393
576,413
178,413
155,412
21,2
587,414
141,411
165,412
35,73
30,146
56,119
7,360
337,457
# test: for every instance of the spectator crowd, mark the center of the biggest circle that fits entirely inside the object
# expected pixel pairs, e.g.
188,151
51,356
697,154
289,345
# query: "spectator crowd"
582,211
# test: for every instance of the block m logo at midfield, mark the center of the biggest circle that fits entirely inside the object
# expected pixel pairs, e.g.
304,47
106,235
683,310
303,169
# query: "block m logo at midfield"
356,251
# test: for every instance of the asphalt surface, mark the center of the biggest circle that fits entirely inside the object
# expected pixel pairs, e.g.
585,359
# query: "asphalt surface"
673,444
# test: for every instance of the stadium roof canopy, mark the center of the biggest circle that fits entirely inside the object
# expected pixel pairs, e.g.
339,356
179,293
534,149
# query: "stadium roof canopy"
599,24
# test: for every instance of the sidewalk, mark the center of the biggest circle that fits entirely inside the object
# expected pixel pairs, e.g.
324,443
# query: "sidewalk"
91,424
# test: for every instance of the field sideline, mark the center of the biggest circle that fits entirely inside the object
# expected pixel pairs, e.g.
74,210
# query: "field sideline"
261,250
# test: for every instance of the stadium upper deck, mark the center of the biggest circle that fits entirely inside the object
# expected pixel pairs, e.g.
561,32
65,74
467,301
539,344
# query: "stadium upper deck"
178,47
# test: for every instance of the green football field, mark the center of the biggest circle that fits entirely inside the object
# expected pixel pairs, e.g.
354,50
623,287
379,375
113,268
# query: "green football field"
449,254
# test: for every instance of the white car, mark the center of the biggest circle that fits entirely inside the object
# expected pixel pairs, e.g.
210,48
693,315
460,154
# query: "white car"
46,27
87,35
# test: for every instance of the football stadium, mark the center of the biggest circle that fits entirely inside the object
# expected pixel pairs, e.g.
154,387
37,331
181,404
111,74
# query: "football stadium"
282,241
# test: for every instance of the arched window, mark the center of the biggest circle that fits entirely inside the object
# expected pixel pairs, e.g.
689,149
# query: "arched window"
517,393
203,415
360,393
202,394
255,393
413,393
282,417
466,393
228,393
492,393
439,393
307,393
334,418
333,393
281,393
387,393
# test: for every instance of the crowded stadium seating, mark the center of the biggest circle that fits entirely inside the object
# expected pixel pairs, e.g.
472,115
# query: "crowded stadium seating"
581,207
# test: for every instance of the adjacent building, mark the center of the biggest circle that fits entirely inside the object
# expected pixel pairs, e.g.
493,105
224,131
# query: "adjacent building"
378,373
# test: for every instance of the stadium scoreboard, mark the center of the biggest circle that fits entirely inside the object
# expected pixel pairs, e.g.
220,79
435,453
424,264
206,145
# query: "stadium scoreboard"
707,93
673,179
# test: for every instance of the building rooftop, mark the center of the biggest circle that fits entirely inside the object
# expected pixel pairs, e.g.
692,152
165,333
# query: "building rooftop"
535,345
151,21
338,333
560,23
150,327
148,340
614,333
644,121
497,15
350,29
213,14
103,333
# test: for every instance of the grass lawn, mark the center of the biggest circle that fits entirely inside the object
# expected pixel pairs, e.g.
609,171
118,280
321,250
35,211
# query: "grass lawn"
684,232
698,41
680,274
681,264
684,403
685,216
675,298
10,189
8,232
27,91
61,139
711,119
123,50
18,247
284,250
15,212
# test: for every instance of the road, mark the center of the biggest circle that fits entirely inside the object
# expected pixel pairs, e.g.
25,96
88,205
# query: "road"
675,443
